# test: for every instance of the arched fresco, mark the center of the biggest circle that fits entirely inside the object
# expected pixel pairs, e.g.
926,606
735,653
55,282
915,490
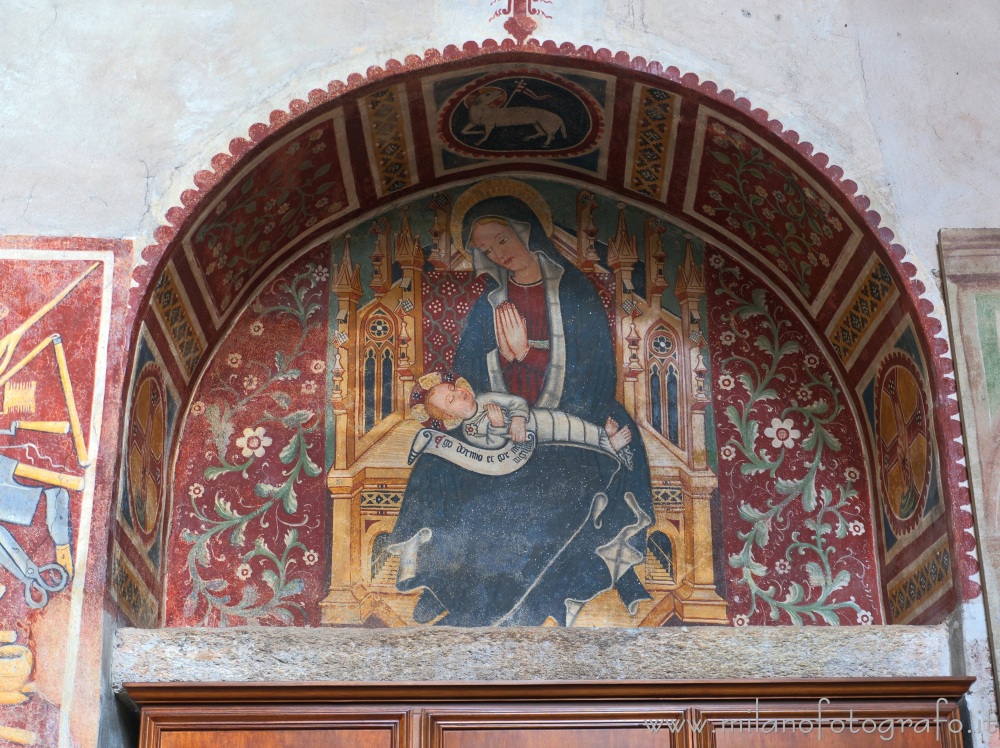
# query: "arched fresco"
755,336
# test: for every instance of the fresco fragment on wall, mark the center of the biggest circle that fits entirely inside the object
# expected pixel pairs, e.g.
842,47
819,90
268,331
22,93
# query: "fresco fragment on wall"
249,498
521,16
757,199
55,322
173,312
401,302
151,414
913,522
526,114
315,481
300,186
799,540
970,262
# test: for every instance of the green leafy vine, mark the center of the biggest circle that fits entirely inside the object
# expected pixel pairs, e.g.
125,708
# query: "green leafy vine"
297,300
822,405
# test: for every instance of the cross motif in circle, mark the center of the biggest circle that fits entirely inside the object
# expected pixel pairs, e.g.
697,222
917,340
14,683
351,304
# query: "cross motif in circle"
379,328
909,428
146,455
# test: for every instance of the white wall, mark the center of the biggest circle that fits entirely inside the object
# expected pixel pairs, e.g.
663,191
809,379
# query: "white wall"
109,107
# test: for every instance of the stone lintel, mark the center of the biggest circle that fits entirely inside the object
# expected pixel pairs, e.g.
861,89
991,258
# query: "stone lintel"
313,655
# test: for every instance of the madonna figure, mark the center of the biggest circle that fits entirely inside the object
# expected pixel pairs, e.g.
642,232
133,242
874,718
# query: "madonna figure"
540,542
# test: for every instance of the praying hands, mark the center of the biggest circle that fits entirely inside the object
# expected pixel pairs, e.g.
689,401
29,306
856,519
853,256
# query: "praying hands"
512,332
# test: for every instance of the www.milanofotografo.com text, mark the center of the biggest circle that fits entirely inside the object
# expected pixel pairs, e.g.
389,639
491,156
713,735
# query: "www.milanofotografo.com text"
819,724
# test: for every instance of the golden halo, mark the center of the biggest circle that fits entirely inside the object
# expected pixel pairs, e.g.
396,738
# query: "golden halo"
499,187
480,90
430,381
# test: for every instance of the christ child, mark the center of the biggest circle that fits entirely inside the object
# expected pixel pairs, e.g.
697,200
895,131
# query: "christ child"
488,420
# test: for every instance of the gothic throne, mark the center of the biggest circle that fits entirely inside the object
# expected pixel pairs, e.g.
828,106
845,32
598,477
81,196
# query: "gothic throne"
381,346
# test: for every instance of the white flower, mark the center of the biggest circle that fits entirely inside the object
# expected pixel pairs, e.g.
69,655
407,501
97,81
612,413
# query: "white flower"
283,209
865,618
741,621
243,571
234,360
316,134
308,388
716,261
728,452
318,366
727,338
726,382
257,328
250,382
220,207
782,566
803,394
196,491
852,474
253,442
197,408
310,557
269,205
319,148
812,360
320,274
856,527
782,433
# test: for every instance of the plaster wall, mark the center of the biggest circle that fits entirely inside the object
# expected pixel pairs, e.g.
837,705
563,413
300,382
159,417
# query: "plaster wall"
107,110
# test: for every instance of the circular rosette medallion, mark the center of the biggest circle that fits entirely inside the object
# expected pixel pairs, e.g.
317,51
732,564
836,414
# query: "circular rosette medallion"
903,441
525,113
146,446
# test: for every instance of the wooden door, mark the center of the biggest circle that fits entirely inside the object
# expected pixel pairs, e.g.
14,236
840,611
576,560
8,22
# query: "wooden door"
862,713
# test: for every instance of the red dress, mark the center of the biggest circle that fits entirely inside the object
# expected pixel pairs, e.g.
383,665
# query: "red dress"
525,378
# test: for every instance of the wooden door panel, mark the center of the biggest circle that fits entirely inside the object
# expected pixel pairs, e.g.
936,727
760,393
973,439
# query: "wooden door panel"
275,726
540,737
795,739
329,738
551,726
873,724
